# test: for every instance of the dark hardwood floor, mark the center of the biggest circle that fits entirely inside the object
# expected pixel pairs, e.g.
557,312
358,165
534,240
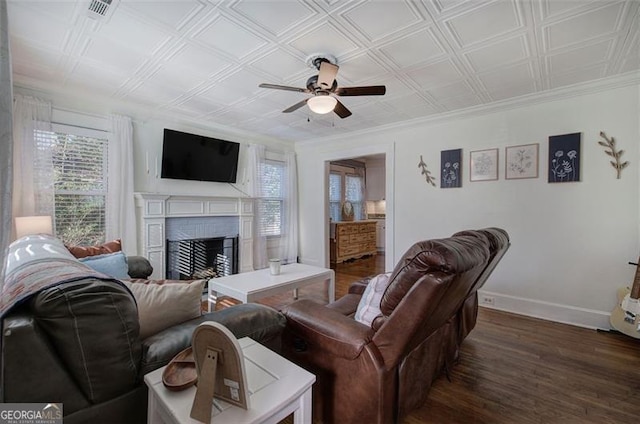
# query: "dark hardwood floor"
515,369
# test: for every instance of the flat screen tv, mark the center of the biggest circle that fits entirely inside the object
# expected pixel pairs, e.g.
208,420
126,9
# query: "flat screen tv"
196,157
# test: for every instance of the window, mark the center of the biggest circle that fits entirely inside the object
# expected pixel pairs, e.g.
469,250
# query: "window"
272,201
346,187
79,182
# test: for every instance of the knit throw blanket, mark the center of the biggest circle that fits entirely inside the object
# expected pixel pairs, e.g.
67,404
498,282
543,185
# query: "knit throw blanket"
36,263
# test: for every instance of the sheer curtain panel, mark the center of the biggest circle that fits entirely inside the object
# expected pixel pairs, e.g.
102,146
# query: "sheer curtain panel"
32,185
255,163
289,241
120,213
6,140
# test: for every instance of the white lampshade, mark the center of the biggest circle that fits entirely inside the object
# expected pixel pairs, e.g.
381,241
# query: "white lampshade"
29,225
322,104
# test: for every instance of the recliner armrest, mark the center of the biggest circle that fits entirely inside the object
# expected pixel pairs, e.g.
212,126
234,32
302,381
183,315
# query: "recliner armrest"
139,267
327,329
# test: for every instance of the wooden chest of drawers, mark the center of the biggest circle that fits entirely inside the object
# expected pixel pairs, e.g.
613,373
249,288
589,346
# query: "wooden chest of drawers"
352,239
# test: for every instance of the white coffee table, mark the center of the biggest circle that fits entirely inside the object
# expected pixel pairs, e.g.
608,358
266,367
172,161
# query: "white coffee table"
277,388
254,285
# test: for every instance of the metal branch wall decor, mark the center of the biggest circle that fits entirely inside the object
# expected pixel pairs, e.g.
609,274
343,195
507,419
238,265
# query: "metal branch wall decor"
610,150
427,174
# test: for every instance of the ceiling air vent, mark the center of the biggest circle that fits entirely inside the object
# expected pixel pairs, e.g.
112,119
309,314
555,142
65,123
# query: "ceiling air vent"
98,8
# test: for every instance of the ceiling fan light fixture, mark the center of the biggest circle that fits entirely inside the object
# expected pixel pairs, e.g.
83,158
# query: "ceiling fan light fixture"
322,104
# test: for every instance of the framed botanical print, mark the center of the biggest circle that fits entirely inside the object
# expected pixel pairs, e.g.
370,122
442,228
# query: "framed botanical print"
483,165
450,169
564,158
521,161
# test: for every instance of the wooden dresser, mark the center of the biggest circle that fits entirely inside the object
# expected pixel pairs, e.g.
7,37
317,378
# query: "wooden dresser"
352,239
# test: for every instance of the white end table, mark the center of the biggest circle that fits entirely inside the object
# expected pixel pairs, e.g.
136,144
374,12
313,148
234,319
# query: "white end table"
277,388
254,285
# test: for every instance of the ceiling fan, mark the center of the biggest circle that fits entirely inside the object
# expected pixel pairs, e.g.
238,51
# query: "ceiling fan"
324,88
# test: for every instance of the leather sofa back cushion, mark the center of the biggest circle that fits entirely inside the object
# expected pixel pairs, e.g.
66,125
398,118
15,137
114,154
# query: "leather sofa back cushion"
101,249
93,325
161,306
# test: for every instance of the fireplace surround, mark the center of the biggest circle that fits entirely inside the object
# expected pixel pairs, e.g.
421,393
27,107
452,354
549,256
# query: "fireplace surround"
157,213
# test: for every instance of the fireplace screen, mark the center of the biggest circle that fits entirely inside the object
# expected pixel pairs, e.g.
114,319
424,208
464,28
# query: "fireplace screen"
202,258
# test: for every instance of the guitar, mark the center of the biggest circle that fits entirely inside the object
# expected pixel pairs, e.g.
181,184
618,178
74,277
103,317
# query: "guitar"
626,316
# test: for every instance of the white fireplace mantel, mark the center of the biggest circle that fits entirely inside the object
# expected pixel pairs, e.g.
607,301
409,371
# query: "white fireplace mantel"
152,211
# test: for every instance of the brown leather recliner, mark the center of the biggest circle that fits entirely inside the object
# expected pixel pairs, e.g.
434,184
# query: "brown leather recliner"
379,373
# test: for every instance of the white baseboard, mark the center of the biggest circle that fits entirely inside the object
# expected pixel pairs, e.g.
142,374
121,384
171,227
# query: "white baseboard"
581,317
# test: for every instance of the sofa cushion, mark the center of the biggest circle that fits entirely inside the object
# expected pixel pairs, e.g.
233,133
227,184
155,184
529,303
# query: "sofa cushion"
369,305
100,249
111,264
163,305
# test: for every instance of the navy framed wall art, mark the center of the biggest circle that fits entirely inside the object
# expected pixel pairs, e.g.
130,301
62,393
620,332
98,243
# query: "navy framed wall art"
564,158
450,168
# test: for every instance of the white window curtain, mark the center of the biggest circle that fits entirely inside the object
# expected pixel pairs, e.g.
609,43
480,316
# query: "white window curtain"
120,213
354,193
335,197
6,141
256,160
32,186
289,240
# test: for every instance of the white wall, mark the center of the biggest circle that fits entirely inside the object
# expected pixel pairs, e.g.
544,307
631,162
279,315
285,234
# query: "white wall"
570,242
148,144
82,109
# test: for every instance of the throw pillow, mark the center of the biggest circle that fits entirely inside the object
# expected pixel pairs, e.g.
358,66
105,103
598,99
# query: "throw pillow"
101,249
161,306
369,305
111,264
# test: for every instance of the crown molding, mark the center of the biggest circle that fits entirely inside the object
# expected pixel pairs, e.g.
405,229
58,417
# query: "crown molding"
141,114
101,106
576,90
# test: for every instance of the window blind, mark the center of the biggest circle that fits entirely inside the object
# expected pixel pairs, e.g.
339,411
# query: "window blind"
80,184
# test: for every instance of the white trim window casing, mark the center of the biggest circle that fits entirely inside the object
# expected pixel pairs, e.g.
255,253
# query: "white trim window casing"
80,183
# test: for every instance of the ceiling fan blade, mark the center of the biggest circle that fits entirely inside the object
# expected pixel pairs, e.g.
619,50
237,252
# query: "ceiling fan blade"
371,90
341,110
295,107
327,75
284,87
